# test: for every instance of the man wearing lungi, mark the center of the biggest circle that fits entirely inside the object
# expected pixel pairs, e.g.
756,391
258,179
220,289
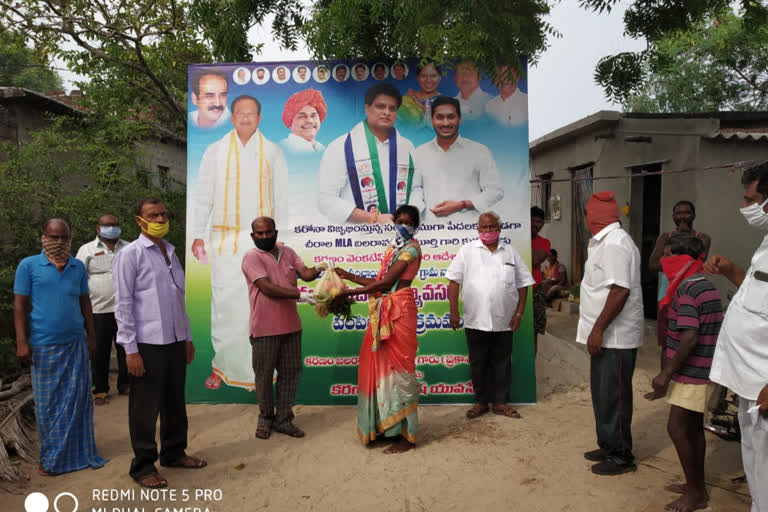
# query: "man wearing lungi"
60,337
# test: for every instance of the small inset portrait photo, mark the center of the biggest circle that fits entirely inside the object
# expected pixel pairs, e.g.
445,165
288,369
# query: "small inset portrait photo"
241,76
359,72
399,70
260,75
321,74
301,74
281,74
341,73
380,71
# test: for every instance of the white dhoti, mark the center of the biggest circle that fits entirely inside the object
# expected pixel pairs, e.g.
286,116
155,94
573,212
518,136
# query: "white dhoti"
236,184
230,314
754,454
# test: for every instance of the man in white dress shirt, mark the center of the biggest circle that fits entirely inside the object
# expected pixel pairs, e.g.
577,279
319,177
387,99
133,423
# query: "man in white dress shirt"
494,284
611,325
459,176
302,114
741,354
367,173
471,97
240,178
97,256
511,105
209,95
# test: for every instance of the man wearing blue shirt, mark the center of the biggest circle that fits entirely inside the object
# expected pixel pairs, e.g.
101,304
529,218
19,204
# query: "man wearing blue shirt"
56,286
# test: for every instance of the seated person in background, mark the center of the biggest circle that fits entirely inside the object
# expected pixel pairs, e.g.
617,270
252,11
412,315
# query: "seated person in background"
555,277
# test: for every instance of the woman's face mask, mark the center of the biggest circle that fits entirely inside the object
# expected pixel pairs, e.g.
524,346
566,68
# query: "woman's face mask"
404,231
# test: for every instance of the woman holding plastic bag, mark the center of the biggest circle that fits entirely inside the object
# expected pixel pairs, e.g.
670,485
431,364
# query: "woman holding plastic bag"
388,391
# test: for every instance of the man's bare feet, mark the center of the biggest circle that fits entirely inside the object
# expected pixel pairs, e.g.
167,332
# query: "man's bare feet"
677,488
689,502
403,445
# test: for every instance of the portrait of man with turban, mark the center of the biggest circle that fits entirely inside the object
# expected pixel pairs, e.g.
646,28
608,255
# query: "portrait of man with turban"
302,114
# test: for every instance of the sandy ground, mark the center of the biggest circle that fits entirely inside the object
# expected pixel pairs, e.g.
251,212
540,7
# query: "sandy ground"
489,464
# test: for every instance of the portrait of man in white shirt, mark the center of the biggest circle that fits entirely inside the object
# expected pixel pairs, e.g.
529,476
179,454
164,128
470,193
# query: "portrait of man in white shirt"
301,74
340,73
209,95
260,76
241,76
399,70
471,97
459,176
281,74
371,165
510,107
302,114
241,177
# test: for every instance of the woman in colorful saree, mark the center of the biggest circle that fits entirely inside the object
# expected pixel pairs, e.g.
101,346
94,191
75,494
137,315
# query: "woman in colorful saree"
417,105
388,391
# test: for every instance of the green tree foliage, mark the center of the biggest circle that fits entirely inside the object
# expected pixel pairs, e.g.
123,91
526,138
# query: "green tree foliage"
75,169
719,64
225,24
135,54
21,66
624,74
489,33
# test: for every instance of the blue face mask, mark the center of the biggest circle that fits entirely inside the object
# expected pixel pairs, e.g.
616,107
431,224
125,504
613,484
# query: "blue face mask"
404,231
110,232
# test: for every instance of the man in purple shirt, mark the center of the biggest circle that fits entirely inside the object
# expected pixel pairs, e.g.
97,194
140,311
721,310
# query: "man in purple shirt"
153,327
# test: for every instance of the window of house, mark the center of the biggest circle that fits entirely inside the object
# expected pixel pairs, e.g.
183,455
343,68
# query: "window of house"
545,193
164,175
142,176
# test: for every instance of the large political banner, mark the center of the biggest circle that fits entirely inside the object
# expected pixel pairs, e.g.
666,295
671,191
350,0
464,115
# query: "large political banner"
302,142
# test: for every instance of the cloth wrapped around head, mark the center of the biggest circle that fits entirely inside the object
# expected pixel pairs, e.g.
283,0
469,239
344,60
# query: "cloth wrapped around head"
602,211
301,99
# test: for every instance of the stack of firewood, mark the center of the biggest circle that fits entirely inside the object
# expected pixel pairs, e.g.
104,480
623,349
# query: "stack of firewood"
17,426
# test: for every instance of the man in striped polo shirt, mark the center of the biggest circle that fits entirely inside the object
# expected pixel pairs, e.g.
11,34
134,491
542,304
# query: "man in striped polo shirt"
694,317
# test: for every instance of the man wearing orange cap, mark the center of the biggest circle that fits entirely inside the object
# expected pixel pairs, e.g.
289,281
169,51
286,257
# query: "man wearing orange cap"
302,114
611,325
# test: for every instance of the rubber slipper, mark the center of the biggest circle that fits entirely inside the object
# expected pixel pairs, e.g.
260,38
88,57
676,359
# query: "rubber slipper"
187,462
477,410
160,482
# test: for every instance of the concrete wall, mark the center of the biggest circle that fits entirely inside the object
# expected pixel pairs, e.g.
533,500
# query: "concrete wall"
719,195
169,154
20,119
28,118
679,144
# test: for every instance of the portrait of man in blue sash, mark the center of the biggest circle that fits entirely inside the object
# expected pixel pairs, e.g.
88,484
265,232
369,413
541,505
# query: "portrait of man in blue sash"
371,165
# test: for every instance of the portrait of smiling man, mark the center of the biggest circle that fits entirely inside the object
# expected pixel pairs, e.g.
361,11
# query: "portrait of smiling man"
209,95
459,176
373,164
241,176
302,114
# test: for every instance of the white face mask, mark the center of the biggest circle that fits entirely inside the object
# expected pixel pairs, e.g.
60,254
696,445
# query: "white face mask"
756,215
